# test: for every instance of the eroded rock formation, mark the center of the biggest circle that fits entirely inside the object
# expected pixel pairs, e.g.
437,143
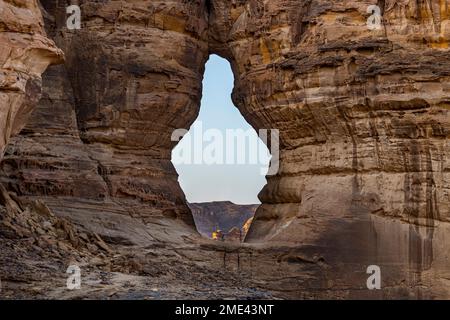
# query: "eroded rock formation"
25,53
363,115
364,126
224,216
103,130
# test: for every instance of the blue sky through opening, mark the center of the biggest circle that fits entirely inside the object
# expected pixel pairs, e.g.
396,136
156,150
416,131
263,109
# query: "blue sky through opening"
239,183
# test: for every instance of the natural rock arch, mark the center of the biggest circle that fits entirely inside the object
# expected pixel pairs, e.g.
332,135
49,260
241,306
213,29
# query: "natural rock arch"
363,118
349,142
24,56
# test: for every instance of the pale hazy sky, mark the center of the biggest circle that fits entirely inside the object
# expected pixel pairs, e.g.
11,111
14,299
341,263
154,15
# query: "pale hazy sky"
239,183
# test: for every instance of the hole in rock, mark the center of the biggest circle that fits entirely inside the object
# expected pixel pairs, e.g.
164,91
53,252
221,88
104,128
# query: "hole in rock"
221,161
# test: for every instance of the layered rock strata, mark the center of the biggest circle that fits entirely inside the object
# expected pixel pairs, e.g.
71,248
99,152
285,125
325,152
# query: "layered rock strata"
363,114
364,130
25,53
364,125
103,130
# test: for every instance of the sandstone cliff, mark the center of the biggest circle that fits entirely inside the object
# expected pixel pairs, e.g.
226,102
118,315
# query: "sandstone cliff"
25,53
363,115
103,131
364,126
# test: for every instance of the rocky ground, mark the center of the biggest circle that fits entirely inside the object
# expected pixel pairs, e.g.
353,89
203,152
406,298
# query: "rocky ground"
167,259
37,247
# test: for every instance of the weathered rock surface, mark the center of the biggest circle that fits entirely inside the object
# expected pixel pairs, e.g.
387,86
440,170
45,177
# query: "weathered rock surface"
103,130
25,53
363,115
364,127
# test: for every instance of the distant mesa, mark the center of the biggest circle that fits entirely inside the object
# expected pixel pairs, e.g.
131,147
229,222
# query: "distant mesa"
223,220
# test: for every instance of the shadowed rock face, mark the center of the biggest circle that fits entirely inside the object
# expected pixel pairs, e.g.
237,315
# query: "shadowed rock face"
363,118
364,123
132,76
363,115
25,53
